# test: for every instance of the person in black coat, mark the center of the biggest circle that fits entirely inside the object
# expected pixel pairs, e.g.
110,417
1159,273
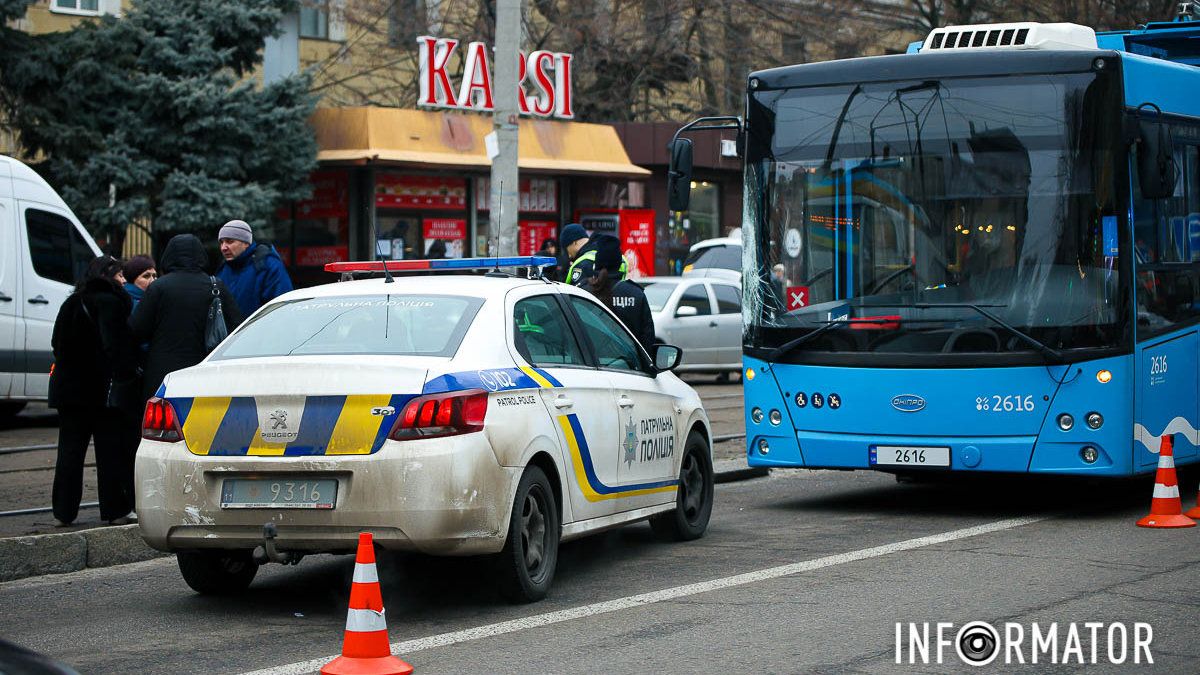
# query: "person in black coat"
624,297
174,312
94,387
550,250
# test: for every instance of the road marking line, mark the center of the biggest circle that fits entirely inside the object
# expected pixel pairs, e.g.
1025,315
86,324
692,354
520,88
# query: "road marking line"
643,599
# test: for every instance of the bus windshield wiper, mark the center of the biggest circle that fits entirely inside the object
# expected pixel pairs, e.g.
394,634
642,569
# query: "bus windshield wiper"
1040,346
792,344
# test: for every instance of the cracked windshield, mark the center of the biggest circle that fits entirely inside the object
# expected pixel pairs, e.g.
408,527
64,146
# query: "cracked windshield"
937,216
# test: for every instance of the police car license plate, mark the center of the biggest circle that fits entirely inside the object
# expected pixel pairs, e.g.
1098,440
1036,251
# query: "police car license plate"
278,493
892,455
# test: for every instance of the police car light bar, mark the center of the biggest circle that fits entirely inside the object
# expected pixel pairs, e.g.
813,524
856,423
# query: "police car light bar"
445,264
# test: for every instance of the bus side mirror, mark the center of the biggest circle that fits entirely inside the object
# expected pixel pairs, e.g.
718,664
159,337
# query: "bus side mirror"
679,175
1156,166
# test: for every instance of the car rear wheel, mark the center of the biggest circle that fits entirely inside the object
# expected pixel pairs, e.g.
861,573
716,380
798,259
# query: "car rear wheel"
526,565
217,572
694,499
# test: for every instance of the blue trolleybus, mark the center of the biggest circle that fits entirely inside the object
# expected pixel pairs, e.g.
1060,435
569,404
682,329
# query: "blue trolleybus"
982,255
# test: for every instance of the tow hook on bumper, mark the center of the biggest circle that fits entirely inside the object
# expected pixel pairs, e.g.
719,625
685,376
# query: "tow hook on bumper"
267,552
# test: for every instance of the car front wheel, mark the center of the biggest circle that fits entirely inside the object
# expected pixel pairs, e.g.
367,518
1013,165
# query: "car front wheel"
217,572
526,565
694,499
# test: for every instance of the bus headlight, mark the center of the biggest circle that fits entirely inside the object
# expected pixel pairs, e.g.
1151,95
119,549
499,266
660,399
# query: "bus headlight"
776,418
756,415
1066,422
1104,376
1094,420
764,447
1089,455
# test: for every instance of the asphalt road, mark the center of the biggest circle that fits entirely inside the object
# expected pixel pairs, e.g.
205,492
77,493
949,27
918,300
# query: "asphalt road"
829,562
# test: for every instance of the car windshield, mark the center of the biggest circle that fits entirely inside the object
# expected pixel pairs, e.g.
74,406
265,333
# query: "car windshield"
899,210
412,325
658,293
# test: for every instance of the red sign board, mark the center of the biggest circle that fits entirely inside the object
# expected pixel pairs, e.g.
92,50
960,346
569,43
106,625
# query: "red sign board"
533,233
637,241
420,192
797,297
444,228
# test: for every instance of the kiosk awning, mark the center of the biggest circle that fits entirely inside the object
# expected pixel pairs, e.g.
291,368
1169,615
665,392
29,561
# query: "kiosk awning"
440,140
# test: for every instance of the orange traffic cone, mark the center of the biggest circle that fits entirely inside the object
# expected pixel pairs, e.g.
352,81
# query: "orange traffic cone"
1166,510
365,650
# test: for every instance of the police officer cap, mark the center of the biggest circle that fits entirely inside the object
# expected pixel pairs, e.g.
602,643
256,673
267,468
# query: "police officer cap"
571,234
608,253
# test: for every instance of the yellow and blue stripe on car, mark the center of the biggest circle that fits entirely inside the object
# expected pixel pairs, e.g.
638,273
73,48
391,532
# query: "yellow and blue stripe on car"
348,425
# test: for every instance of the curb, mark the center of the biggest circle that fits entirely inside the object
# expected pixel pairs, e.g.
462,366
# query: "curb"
40,554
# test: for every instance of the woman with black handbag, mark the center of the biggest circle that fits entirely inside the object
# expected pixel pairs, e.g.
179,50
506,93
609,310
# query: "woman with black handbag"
173,315
95,388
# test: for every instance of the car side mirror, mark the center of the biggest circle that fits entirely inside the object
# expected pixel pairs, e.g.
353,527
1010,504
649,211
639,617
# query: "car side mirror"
1156,166
687,310
666,357
679,174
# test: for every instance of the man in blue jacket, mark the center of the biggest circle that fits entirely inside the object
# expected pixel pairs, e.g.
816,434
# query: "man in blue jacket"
253,273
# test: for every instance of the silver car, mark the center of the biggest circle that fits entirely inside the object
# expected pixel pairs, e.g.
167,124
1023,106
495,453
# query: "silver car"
703,315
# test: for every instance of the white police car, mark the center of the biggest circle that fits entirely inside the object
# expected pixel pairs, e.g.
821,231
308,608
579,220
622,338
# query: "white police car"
455,415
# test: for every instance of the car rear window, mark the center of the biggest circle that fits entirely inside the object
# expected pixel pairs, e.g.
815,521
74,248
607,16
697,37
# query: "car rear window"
723,257
407,325
658,293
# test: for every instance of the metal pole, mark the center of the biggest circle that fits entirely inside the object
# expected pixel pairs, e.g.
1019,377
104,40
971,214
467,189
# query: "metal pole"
503,220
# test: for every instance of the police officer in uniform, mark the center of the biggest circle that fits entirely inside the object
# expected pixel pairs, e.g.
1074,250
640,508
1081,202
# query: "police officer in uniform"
624,297
581,251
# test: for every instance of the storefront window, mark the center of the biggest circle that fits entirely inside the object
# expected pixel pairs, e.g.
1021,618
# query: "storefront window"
684,228
420,216
537,208
316,231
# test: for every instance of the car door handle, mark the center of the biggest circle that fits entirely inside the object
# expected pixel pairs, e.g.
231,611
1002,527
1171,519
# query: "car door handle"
563,402
712,324
625,402
39,300
5,298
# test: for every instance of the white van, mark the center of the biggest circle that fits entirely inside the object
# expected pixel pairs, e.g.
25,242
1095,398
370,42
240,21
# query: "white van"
43,250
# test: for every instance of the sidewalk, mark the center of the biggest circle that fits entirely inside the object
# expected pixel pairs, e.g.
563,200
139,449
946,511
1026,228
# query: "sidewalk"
90,543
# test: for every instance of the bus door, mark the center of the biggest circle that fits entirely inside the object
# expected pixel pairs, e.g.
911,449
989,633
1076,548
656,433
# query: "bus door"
1167,395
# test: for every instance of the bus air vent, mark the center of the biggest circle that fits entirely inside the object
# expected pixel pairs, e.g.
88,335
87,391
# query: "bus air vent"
1010,36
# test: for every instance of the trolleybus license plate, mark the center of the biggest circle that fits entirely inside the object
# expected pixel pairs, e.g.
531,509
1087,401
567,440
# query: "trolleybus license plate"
278,493
891,455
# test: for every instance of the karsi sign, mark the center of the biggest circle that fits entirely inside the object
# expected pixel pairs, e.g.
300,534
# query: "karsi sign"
549,74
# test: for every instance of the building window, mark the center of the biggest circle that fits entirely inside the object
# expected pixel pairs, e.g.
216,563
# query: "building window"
77,6
314,19
407,19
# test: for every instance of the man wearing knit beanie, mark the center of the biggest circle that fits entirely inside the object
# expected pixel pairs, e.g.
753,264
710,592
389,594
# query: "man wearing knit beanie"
254,273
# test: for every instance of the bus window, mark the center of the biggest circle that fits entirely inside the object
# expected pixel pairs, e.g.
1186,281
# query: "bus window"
1167,242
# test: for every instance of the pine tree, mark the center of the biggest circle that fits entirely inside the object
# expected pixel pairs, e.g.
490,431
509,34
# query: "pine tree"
157,115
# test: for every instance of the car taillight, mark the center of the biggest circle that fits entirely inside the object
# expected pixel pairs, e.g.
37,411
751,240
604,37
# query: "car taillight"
160,423
438,415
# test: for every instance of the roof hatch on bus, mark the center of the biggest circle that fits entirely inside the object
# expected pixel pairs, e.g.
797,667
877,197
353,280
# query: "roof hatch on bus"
1025,35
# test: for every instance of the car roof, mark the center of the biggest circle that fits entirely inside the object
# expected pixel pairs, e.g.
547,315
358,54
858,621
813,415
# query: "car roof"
719,241
472,285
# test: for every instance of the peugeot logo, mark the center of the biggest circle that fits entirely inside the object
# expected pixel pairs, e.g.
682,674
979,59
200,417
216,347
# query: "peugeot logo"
279,419
908,403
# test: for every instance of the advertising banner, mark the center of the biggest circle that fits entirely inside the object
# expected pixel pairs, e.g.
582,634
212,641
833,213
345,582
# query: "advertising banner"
637,241
450,231
420,192
533,233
